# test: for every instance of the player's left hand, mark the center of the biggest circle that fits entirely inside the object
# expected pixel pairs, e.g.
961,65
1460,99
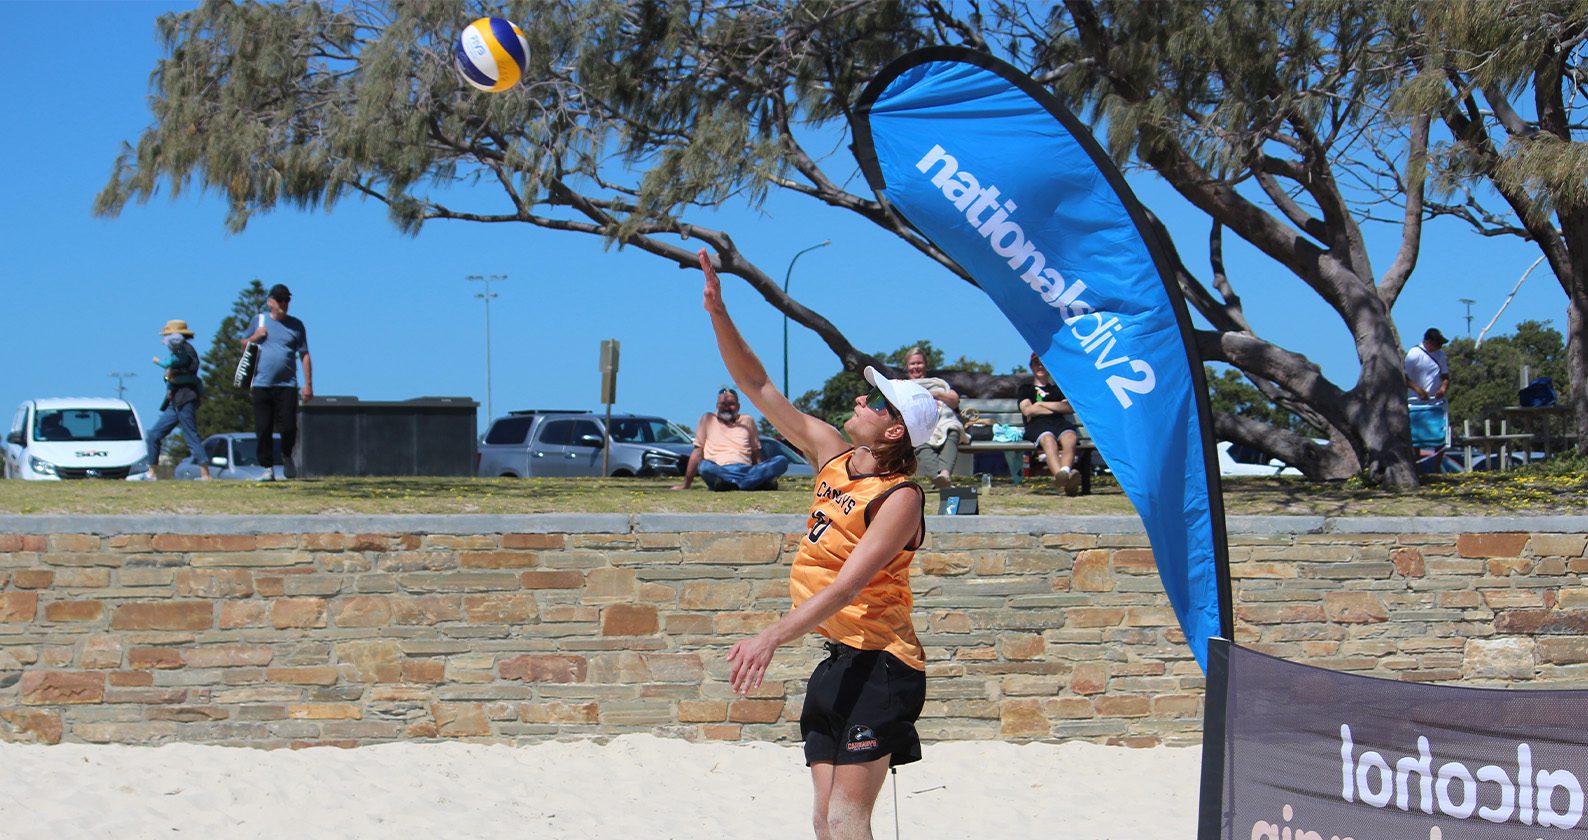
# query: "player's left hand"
713,292
749,660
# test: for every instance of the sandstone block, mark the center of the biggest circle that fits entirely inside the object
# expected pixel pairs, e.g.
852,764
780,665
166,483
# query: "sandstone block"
361,611
1021,646
573,714
1491,545
100,652
1091,573
702,711
1354,608
30,726
73,611
324,711
1022,719
62,688
18,607
146,658
228,656
427,610
374,660
755,711
235,614
551,580
165,615
545,668
537,542
499,608
1408,562
498,559
460,720
629,620
287,613
1498,659
34,578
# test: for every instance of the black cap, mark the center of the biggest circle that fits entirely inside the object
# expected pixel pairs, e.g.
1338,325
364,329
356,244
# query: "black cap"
1433,335
281,293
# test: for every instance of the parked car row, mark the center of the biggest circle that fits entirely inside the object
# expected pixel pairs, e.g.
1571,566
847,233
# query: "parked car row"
538,443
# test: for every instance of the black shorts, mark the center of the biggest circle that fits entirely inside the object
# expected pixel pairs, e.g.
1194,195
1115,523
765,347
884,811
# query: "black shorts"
862,705
1042,424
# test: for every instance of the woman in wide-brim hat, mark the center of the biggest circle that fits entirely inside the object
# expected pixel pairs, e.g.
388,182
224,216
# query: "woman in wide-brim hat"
183,390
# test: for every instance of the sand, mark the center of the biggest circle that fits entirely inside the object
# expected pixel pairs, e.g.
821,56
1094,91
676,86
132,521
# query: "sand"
634,787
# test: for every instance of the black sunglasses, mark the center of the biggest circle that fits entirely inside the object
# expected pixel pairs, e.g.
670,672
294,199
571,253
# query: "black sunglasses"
877,400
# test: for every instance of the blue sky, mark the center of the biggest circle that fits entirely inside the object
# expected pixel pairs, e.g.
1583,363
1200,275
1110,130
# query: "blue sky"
392,317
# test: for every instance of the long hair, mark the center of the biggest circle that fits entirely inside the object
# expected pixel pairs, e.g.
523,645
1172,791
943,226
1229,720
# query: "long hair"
895,456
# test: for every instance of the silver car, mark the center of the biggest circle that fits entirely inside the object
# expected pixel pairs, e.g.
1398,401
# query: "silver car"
797,466
233,455
540,443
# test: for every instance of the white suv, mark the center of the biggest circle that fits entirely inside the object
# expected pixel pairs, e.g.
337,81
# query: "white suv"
76,437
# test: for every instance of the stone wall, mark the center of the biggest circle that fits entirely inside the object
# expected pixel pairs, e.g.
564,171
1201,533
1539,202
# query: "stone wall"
291,631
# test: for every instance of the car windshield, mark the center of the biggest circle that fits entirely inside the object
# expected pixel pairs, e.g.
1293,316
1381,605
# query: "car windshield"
85,424
648,430
246,452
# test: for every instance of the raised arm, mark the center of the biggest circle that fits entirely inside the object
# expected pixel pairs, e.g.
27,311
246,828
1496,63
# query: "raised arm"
807,433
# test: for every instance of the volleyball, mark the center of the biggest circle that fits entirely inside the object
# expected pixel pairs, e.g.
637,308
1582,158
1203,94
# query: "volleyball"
491,54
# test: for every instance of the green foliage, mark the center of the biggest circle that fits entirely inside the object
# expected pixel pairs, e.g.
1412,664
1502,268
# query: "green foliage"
628,111
227,408
1229,392
1484,379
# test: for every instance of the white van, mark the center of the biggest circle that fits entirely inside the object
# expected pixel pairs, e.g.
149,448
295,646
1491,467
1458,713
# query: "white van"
76,437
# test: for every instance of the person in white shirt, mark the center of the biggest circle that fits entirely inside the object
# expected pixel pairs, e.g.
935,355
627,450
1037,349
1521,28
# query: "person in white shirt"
1427,370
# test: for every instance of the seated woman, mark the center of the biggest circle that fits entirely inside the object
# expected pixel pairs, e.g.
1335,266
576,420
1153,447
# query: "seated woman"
936,457
1050,423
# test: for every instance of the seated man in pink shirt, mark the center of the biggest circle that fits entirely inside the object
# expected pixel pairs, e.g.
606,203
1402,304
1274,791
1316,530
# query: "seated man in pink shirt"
727,453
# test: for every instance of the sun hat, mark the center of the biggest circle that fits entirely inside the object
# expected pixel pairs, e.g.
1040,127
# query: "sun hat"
176,325
915,404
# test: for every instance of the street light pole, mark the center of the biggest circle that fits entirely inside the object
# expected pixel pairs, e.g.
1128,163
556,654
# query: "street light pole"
786,276
487,279
121,386
1469,302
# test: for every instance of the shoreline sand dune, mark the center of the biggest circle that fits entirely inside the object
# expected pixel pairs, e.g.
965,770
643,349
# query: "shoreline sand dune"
635,787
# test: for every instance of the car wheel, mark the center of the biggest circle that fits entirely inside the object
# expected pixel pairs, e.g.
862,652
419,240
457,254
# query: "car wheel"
507,475
622,474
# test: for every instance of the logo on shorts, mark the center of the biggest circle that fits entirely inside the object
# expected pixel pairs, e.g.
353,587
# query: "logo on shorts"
860,739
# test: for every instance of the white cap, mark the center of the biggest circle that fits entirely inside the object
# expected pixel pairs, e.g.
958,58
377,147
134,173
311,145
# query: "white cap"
914,403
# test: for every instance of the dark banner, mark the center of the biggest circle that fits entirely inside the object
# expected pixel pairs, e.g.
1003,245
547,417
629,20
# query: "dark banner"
1311,754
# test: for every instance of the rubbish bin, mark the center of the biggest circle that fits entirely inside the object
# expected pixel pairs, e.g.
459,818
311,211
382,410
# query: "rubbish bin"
421,436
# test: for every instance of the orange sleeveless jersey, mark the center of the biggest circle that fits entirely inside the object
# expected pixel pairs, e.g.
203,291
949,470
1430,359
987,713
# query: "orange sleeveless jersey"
879,619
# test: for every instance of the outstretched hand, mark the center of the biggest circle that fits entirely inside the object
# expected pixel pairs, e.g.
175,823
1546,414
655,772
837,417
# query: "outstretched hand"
713,293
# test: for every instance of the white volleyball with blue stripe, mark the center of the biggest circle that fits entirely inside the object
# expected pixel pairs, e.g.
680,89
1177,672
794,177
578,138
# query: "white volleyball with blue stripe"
492,54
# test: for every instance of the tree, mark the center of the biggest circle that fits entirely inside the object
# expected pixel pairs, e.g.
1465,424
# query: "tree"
1509,80
1230,393
227,408
1265,116
1484,378
635,115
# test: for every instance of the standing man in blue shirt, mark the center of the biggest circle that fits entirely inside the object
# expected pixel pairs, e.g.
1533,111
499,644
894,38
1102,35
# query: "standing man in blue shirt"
282,340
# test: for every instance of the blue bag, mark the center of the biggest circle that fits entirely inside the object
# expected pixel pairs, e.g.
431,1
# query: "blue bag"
1538,393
